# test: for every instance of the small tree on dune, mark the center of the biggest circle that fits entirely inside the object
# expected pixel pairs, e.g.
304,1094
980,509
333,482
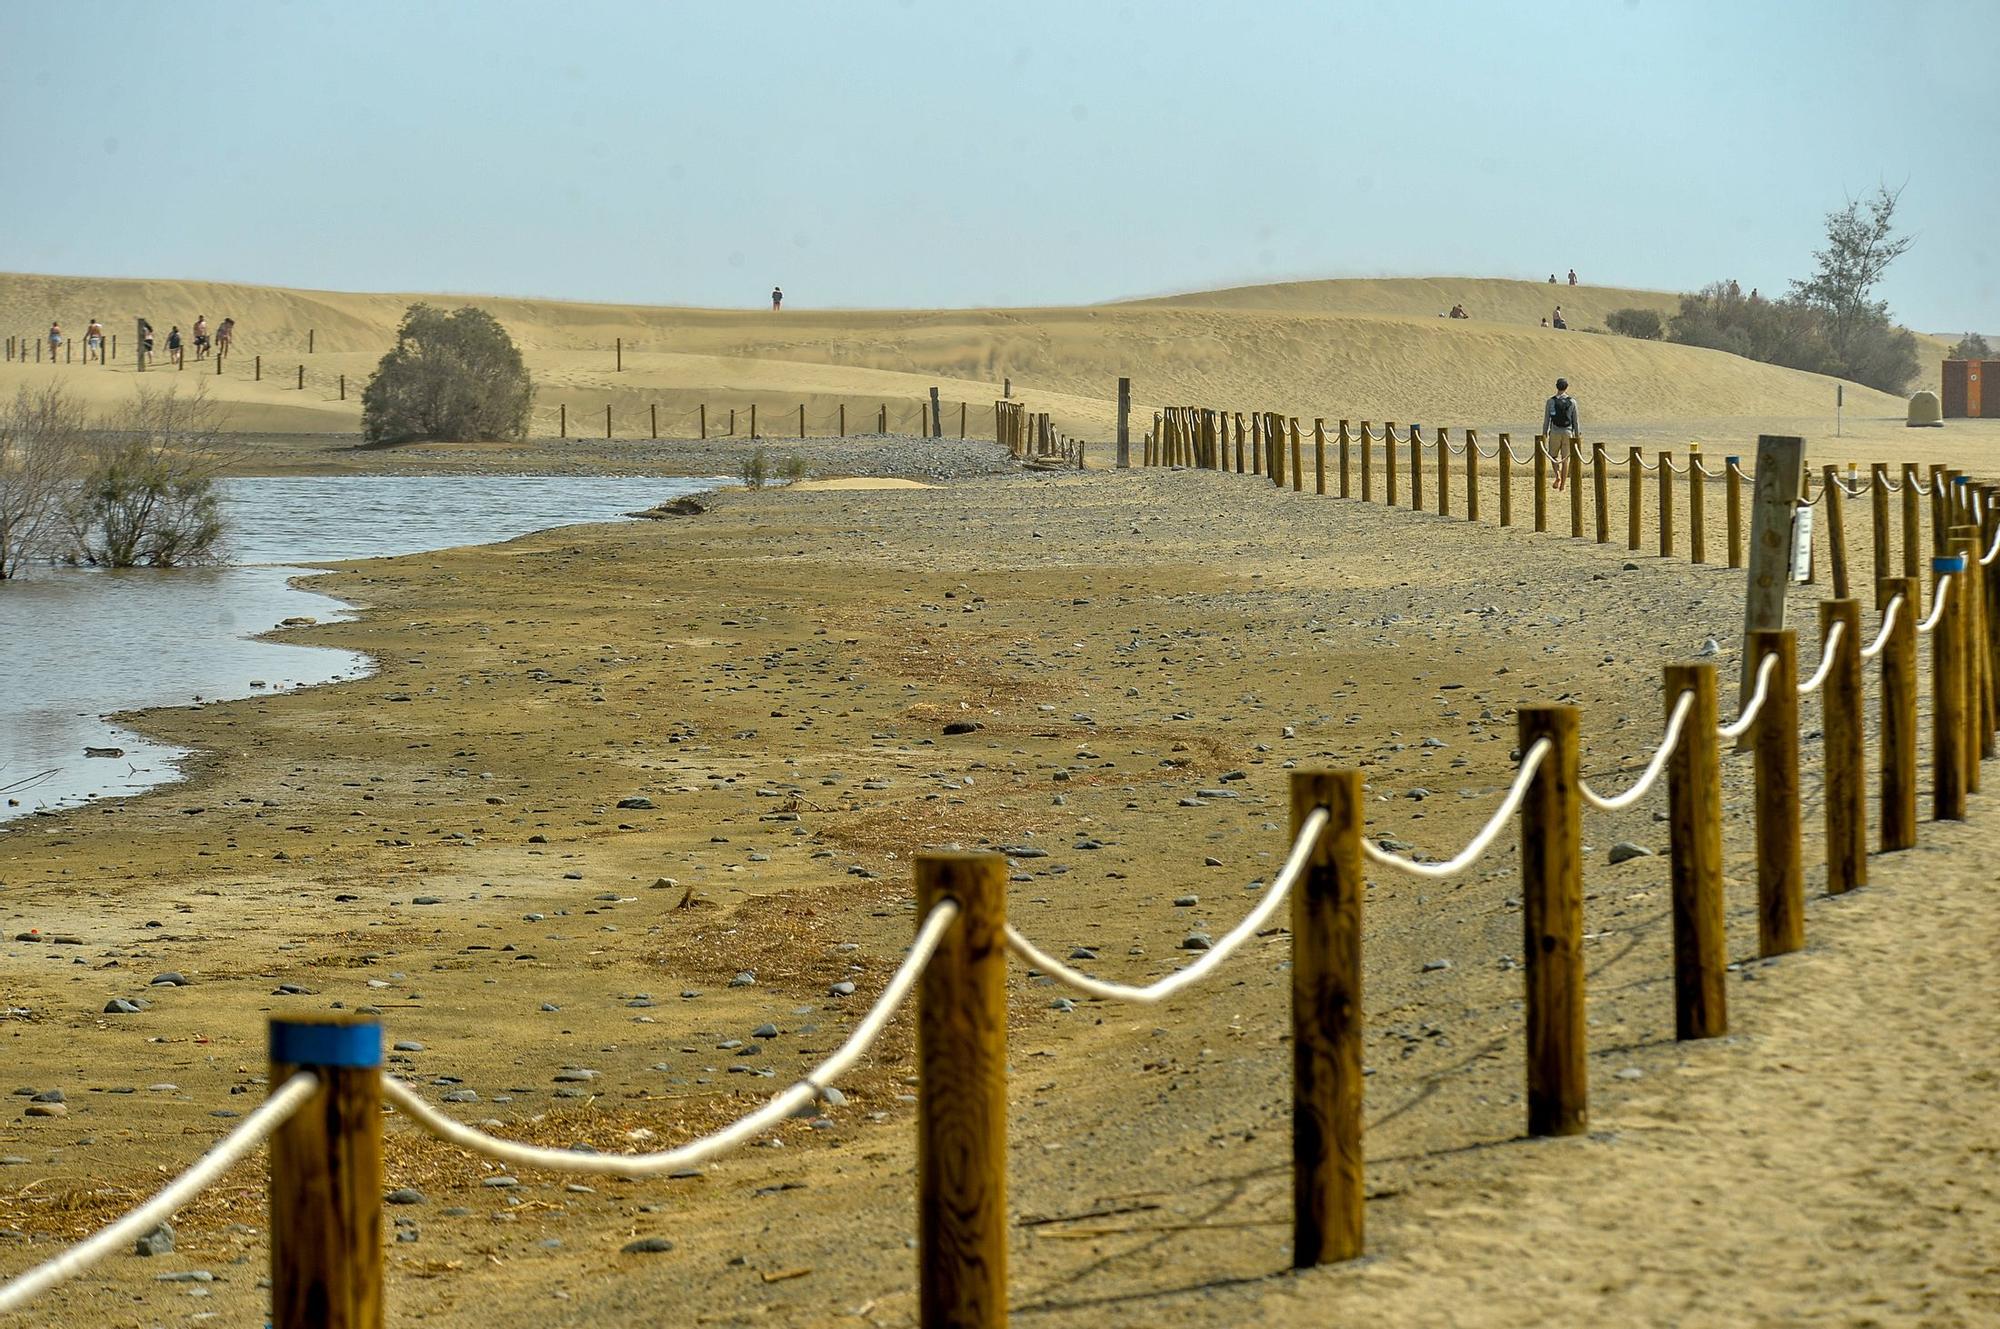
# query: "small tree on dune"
451,375
1971,346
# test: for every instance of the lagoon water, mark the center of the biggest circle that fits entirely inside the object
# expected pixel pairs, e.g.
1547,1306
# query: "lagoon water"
78,645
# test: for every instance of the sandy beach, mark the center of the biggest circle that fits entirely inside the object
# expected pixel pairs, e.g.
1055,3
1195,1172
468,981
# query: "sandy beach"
443,842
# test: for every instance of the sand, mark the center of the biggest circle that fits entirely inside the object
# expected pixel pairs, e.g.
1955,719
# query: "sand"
1306,348
1125,641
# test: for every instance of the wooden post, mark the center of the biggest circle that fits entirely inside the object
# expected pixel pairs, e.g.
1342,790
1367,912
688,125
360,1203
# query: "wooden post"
1239,443
1666,460
1506,480
1939,521
1444,472
842,409
1780,876
1471,475
1878,514
562,420
607,419
653,412
1846,759
1772,503
619,365
962,1099
1694,817
1732,501
1124,424
1298,471
1416,468
1274,447
1899,713
1552,925
1965,543
701,419
1541,484
1600,492
961,419
1912,522
1367,465
1836,531
1346,460
1389,463
802,419
1697,507
309,341
1948,743
302,378
1319,455
1635,498
343,387
1574,472
881,423
753,420
1327,1184
326,1178
256,364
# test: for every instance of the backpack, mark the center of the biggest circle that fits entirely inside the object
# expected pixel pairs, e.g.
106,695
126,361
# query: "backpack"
1562,413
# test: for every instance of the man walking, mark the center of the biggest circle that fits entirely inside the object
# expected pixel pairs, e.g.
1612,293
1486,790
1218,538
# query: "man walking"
1560,428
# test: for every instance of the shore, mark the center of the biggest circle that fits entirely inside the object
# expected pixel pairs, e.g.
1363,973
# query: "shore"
443,842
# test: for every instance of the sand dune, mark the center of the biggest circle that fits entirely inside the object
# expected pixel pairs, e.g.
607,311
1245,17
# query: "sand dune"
1361,349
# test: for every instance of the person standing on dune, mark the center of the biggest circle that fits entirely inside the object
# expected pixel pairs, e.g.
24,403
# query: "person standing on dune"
777,299
1560,428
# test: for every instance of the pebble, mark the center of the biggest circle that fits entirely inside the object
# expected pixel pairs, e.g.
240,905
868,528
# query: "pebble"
1631,1073
48,1096
47,1110
638,802
169,980
1197,941
764,1031
499,1183
409,1045
1433,966
122,1006
1063,1004
647,1246
745,979
841,989
185,1276
1083,953
1625,850
1186,901
405,1195
160,1241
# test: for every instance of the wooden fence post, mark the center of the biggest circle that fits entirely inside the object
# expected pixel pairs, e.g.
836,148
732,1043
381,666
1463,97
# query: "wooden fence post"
1899,713
1697,507
1124,423
1552,925
1846,799
1666,461
1574,470
1389,463
1327,1184
961,419
1541,485
1600,492
1506,480
1773,507
701,419
1694,816
256,364
1940,523
1965,542
1346,459
962,1099
1780,876
1239,443
1367,465
1948,696
1732,502
1912,521
302,379
1444,472
343,387
1416,468
753,420
562,420
1878,514
326,1178
1836,531
653,413
1471,475
618,365
1298,471
1319,455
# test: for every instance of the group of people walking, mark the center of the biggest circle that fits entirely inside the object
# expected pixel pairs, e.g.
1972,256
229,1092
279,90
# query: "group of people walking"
95,345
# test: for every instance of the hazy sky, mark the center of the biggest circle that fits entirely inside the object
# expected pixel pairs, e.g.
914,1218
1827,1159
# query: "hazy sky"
920,154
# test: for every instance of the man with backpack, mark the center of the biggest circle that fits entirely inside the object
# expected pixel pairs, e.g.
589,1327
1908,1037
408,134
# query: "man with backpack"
1560,428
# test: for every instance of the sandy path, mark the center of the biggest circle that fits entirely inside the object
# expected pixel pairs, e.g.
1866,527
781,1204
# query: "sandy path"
1126,641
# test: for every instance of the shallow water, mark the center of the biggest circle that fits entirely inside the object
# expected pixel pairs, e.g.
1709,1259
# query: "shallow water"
77,645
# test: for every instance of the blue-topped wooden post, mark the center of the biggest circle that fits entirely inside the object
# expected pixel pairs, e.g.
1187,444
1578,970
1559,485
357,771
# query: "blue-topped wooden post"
326,1178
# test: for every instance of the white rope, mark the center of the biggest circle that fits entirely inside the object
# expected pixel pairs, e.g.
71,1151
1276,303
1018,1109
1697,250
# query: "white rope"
1826,658
1677,470
1937,605
1756,702
1987,558
1159,990
1881,642
1696,463
224,1154
1645,465
1853,489
1668,743
1531,760
695,1152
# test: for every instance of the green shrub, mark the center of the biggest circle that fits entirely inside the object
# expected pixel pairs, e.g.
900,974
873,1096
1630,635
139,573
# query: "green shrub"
795,469
147,495
1644,324
454,376
756,469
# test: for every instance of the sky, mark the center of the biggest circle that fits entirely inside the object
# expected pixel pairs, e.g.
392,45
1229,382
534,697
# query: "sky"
915,154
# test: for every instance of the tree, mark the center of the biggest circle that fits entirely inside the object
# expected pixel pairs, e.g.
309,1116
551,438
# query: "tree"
1861,243
147,495
41,454
455,375
1971,346
1641,323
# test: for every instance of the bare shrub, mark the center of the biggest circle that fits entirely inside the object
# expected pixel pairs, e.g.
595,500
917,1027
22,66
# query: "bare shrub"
42,446
148,496
756,469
